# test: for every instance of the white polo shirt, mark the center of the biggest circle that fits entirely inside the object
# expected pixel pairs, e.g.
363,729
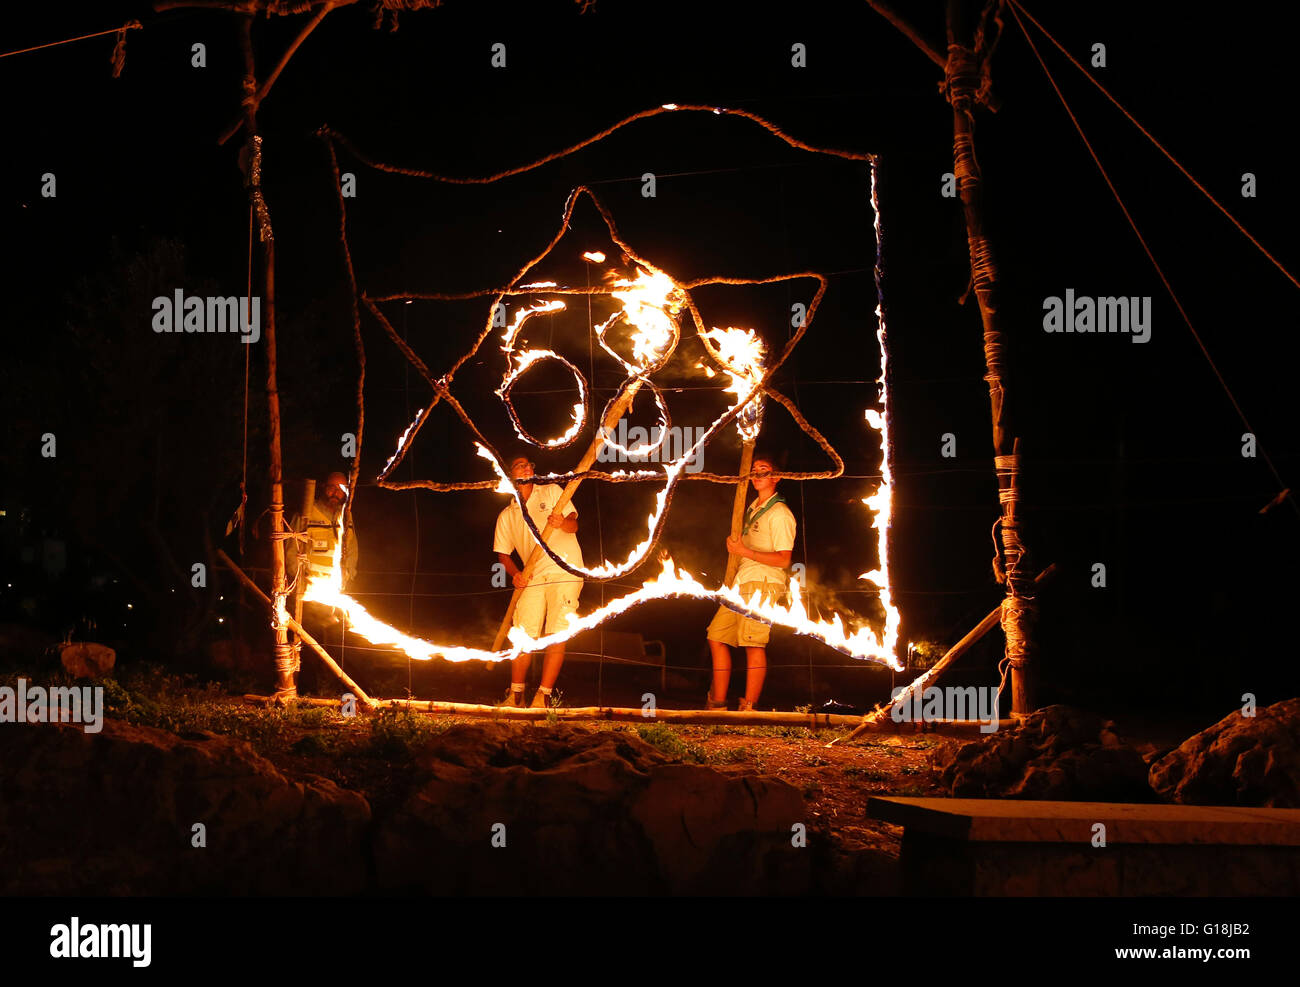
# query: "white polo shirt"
773,532
512,534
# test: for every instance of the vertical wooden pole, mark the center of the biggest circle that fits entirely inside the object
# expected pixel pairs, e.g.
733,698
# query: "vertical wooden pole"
285,664
738,506
1018,611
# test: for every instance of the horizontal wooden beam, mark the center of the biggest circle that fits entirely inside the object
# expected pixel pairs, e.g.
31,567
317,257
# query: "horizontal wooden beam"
687,717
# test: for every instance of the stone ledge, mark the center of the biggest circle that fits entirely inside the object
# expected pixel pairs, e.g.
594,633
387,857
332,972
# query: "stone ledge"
1023,821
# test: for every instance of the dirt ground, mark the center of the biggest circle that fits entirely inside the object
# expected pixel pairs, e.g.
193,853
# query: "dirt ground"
836,781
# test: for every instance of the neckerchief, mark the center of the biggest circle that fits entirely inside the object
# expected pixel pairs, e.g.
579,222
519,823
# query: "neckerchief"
750,521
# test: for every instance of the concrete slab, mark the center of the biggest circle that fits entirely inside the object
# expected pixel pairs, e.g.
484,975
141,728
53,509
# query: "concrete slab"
1025,821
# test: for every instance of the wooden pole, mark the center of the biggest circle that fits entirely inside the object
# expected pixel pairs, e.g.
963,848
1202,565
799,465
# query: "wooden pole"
616,412
874,719
285,659
738,506
1018,608
717,717
911,33
310,641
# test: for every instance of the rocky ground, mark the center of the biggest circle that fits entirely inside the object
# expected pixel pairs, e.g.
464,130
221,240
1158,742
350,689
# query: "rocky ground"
188,790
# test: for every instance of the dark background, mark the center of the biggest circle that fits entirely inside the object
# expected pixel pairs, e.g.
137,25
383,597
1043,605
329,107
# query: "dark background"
1132,451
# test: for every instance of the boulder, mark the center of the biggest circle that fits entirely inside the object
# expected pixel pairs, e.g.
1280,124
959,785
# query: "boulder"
1057,753
86,660
1241,760
114,813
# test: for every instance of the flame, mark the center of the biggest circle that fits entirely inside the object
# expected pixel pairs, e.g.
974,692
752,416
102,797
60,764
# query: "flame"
595,256
650,302
881,502
401,444
520,362
741,353
670,583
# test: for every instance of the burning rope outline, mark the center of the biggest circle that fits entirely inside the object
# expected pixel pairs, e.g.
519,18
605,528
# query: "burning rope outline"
673,472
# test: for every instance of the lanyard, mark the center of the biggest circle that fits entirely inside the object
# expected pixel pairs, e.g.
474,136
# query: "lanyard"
750,521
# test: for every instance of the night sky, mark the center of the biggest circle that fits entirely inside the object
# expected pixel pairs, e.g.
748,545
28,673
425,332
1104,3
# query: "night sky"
1132,452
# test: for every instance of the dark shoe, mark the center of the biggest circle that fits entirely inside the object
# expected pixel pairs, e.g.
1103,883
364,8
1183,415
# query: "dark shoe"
513,699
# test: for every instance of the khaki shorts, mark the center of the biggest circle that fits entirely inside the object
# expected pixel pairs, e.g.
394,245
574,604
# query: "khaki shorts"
552,599
729,627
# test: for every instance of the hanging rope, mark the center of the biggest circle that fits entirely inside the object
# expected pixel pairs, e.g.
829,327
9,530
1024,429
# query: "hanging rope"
1150,256
595,138
119,50
1017,9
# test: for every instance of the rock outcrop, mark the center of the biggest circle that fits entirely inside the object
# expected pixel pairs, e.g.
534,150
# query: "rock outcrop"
506,810
1055,753
116,812
1241,760
484,809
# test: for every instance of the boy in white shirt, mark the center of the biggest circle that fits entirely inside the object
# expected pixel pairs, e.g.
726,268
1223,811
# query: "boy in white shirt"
551,594
765,544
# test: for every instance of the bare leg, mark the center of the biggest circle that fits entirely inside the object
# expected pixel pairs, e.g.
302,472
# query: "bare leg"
519,668
551,664
721,670
755,674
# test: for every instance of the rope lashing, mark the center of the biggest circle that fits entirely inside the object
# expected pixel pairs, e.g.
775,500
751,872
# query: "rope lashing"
119,49
961,77
287,661
1007,469
1017,613
966,168
983,269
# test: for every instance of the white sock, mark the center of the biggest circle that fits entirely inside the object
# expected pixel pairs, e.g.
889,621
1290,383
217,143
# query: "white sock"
516,687
544,690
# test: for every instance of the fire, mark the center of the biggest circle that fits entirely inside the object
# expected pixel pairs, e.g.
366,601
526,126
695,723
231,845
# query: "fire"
881,502
742,354
401,443
670,583
518,363
649,304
